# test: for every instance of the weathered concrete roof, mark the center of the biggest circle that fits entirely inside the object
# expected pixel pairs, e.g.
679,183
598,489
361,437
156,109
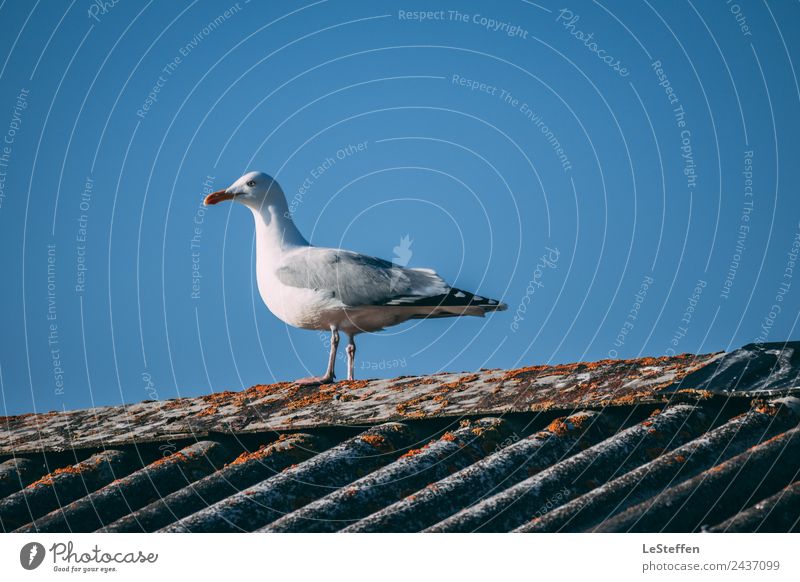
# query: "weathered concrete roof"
608,446
285,406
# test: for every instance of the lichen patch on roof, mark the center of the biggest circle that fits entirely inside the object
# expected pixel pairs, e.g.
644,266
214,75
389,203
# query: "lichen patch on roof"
286,406
621,445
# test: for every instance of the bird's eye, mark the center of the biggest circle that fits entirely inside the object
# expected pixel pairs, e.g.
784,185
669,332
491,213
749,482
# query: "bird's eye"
251,183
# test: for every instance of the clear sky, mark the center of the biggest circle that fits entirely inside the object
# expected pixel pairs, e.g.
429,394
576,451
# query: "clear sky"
624,175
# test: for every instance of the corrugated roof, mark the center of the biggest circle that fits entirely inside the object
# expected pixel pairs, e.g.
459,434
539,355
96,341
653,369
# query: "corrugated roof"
686,443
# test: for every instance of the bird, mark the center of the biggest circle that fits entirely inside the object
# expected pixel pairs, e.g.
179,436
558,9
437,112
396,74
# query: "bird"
336,290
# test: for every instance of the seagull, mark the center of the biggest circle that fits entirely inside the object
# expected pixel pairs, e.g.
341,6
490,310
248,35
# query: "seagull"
336,290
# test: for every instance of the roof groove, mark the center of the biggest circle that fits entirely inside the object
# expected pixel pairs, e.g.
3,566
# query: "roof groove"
17,473
414,470
504,468
776,514
134,490
296,486
61,487
718,492
643,483
243,472
580,473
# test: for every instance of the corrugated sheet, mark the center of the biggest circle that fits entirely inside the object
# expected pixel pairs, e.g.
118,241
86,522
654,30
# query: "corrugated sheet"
612,446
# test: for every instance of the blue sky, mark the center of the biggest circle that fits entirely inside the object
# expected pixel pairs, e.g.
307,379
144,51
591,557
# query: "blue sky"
622,174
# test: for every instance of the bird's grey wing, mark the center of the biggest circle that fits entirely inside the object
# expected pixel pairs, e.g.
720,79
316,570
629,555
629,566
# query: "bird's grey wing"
356,279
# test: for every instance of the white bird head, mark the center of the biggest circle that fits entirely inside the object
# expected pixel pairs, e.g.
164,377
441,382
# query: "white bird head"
255,190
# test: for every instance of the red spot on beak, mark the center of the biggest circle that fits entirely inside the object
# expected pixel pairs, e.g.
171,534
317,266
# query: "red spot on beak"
216,197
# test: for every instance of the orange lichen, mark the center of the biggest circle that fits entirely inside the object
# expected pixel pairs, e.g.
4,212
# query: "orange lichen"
71,469
10,419
412,453
776,438
606,374
172,458
448,436
213,409
354,384
481,430
579,420
260,453
458,384
559,426
242,398
316,397
521,374
419,381
403,407
376,441
765,407
439,396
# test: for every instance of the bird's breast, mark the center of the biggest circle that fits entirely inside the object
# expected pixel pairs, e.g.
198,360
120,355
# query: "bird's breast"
300,307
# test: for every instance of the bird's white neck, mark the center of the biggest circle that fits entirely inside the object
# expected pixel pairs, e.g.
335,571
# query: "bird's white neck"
276,232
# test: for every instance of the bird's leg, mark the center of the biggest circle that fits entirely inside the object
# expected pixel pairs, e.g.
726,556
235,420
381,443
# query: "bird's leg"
351,357
329,375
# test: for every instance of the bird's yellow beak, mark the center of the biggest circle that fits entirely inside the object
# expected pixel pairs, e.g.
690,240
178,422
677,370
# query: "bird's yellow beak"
216,197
